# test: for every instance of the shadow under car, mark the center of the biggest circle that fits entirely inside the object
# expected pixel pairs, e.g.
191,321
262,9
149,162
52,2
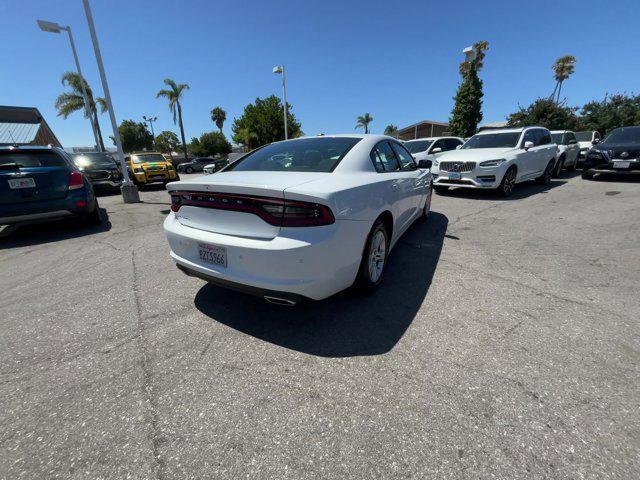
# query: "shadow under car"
349,323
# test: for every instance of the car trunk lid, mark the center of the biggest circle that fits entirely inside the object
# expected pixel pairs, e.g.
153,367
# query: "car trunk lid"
212,198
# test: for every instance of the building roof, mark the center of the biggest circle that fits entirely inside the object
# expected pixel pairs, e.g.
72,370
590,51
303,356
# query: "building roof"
24,126
423,122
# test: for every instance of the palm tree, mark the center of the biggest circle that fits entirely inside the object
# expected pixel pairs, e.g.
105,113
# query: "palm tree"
69,102
390,129
173,94
364,121
562,70
218,115
246,138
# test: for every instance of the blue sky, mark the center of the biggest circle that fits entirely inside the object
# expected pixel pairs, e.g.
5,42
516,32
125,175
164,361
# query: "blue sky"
396,60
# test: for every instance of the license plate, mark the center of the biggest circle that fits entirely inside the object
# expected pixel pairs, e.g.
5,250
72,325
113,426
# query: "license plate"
16,183
455,176
213,254
621,164
158,177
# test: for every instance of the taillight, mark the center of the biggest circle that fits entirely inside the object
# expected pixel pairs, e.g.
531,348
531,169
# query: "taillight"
275,211
75,181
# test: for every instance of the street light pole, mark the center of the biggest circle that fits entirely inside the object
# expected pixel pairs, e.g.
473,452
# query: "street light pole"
129,190
280,69
150,120
53,27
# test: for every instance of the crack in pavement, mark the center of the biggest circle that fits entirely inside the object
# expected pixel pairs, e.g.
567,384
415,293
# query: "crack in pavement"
147,389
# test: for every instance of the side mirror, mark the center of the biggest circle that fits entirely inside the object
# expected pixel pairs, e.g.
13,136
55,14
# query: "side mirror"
458,147
436,150
595,141
528,145
426,164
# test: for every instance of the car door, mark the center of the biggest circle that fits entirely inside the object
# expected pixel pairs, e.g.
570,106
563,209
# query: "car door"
573,149
546,149
527,161
415,181
386,163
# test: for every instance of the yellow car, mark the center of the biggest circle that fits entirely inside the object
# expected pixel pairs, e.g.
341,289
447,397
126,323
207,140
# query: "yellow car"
150,167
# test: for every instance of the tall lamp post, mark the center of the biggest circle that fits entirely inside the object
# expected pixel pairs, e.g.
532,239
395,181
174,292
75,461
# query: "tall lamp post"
280,69
53,27
150,120
129,190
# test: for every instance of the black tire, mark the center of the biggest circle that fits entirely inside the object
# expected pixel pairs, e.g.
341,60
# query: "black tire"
557,171
586,175
188,170
427,205
365,280
93,218
545,178
441,189
508,182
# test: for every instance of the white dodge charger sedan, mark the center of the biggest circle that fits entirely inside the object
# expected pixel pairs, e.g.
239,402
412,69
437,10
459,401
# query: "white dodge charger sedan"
299,219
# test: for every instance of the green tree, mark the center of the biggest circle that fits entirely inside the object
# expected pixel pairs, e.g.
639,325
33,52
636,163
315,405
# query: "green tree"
545,113
363,121
166,142
563,68
210,144
390,129
69,102
261,123
174,94
467,110
218,115
134,136
619,110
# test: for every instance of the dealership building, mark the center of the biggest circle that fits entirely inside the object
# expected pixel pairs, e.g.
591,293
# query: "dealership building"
425,128
25,126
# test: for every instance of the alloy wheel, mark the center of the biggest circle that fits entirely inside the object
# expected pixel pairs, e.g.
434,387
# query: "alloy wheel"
377,256
509,182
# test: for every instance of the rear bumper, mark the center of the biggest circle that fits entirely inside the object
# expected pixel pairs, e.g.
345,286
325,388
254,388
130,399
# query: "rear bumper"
106,183
45,210
310,262
608,168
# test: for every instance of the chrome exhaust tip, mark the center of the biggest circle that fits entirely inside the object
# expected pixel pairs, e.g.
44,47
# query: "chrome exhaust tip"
283,302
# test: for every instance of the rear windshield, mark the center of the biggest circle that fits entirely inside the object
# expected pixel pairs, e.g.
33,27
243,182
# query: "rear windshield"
93,159
320,154
147,158
493,140
32,159
417,146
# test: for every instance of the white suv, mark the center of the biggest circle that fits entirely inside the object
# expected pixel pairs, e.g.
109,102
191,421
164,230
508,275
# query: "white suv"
568,150
430,148
586,140
498,159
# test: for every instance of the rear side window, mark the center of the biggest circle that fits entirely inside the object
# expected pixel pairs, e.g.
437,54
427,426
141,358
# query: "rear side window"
405,158
543,137
32,159
384,158
451,143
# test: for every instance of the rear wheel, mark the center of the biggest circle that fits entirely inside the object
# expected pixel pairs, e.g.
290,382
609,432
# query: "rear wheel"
559,166
545,178
93,217
374,258
440,190
188,170
586,175
572,167
427,204
508,183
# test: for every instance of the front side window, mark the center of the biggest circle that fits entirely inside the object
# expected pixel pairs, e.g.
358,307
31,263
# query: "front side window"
452,143
439,144
493,140
384,159
321,154
529,136
406,160
543,137
570,138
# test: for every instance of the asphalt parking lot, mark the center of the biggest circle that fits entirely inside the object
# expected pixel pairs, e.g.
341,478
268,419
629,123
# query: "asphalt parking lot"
504,343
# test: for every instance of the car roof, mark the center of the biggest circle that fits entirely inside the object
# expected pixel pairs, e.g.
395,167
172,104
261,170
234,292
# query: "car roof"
508,130
429,138
561,131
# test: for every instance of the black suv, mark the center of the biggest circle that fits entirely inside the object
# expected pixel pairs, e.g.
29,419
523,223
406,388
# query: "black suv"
100,168
618,153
